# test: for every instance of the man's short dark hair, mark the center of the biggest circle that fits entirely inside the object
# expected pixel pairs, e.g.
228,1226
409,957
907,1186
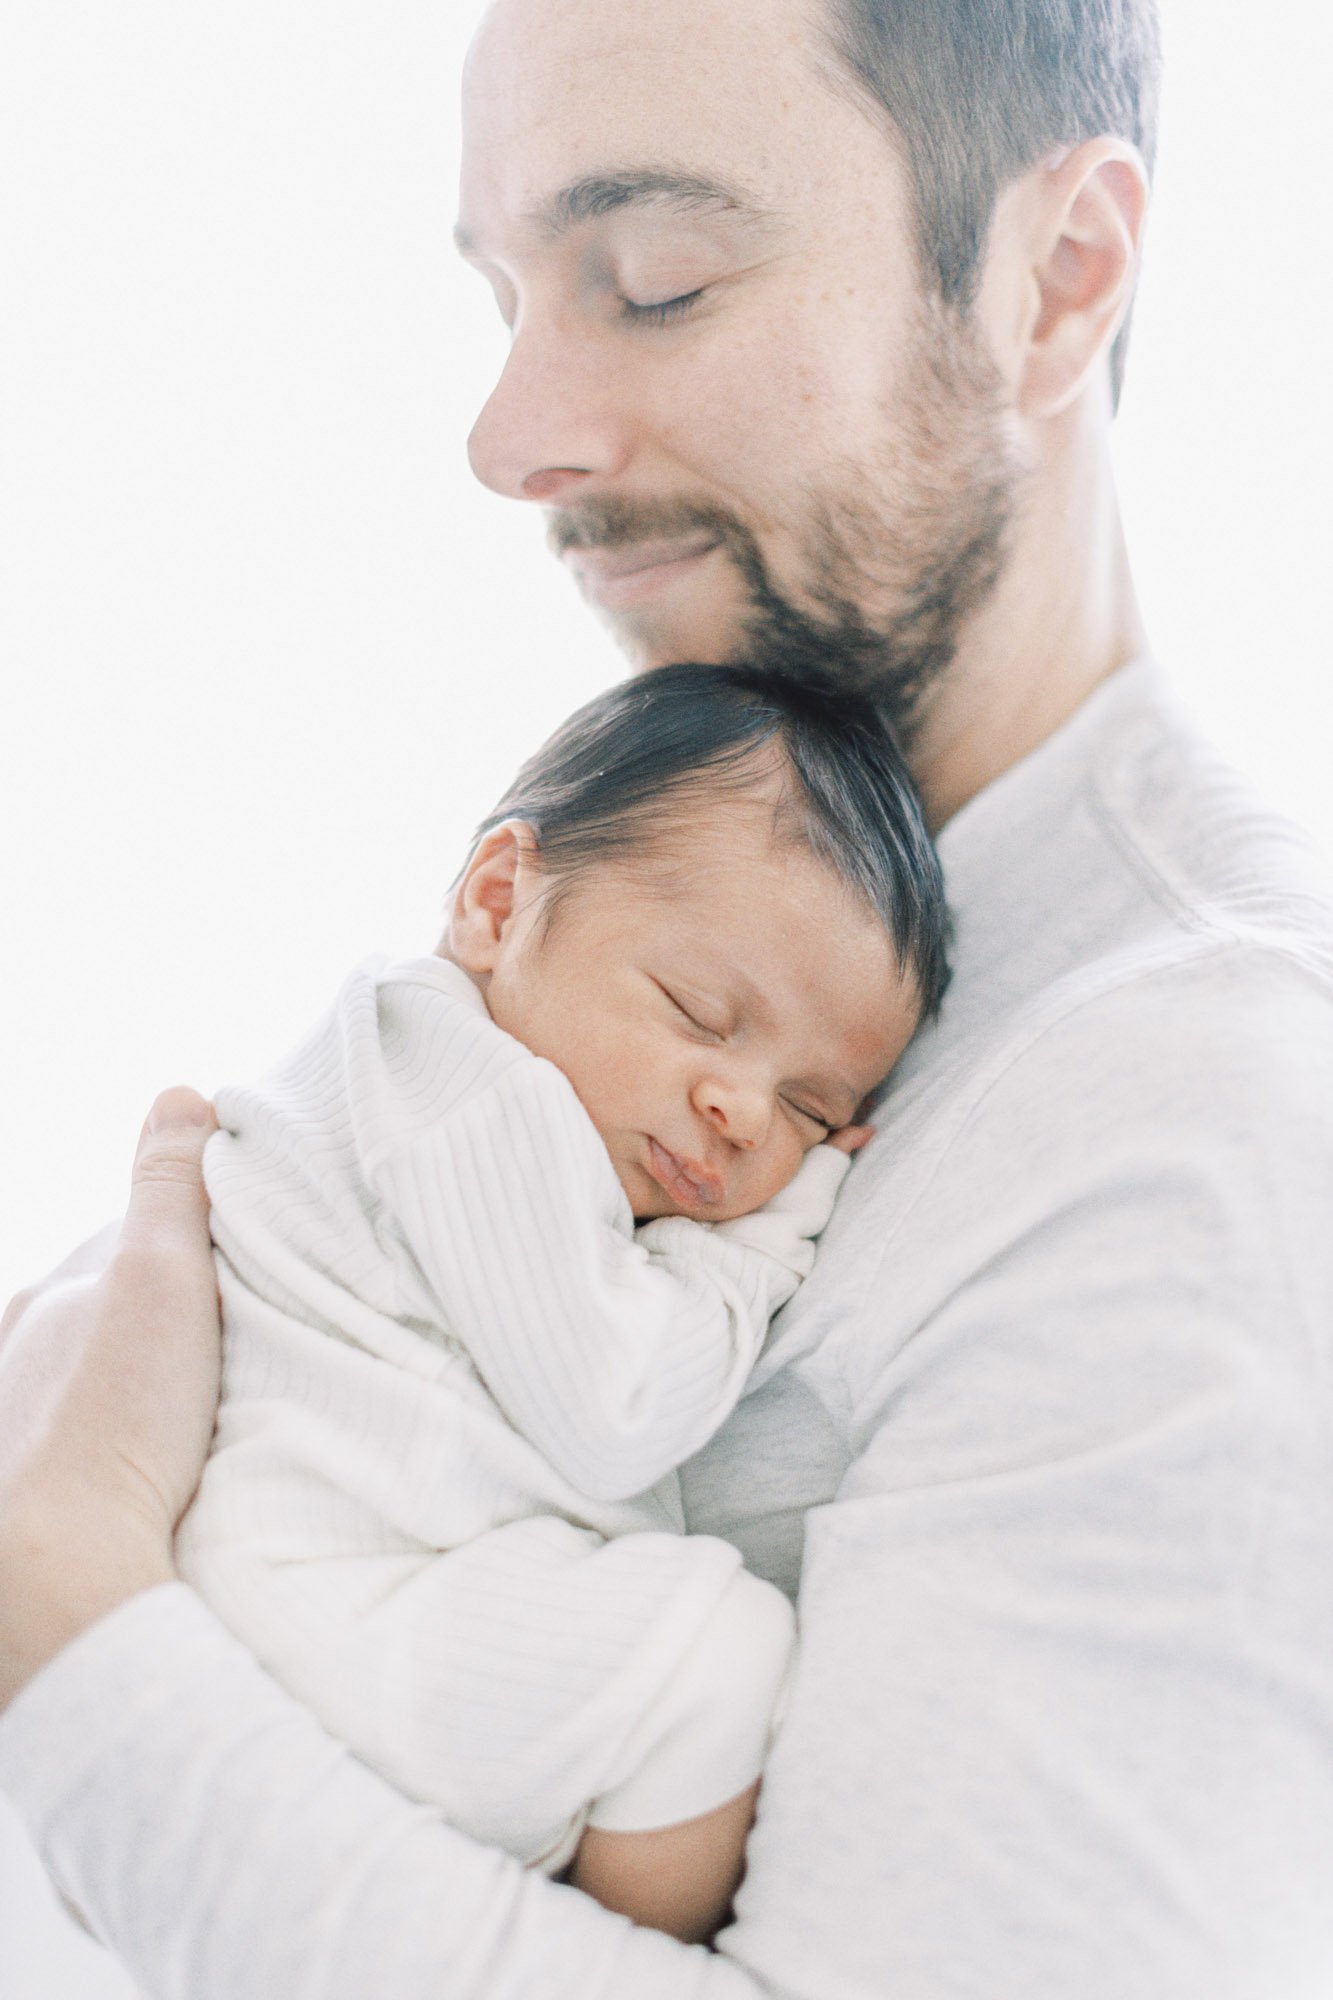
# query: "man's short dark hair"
655,751
980,90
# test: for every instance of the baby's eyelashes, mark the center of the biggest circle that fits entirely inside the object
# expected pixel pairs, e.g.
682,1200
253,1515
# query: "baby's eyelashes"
709,1031
812,1119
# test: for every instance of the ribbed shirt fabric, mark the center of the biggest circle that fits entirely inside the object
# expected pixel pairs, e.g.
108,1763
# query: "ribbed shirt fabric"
1047,1439
441,1504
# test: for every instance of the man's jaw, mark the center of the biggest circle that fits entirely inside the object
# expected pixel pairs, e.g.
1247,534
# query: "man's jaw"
887,565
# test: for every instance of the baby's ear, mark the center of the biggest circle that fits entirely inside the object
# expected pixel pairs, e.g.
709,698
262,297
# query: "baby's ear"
492,887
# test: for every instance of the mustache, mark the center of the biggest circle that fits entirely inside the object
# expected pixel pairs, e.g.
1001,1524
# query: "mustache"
615,522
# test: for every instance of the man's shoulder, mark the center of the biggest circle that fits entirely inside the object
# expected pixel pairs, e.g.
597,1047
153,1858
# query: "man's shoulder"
1214,1038
1126,859
1213,1026
1217,993
1211,855
1190,1080
1190,927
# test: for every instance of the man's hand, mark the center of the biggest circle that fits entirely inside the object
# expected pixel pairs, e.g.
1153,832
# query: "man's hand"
108,1391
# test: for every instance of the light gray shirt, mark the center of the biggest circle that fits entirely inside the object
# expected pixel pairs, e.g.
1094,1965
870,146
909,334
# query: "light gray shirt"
1053,1424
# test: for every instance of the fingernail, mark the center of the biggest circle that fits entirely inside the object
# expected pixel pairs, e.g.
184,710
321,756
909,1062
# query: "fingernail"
177,1107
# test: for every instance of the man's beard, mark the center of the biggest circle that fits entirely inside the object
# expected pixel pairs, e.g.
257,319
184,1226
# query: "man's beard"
899,553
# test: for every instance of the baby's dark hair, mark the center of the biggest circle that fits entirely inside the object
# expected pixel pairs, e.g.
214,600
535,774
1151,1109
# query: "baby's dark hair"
621,771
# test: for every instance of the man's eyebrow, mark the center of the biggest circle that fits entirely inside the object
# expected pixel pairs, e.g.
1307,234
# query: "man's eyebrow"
596,195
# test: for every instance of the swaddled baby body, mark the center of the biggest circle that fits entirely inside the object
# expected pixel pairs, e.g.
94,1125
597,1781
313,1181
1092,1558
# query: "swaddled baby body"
499,1244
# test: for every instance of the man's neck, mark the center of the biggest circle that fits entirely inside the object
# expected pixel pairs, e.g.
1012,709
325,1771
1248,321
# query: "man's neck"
1064,618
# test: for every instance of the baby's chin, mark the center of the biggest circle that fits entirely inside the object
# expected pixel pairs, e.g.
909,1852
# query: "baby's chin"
656,1204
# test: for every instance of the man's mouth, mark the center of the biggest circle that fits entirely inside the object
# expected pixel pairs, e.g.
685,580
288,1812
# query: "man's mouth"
688,1182
619,577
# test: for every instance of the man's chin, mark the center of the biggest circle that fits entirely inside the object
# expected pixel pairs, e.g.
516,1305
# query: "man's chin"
705,624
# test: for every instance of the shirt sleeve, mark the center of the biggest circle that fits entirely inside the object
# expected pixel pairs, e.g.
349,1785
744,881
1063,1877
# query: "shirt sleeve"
226,1848
616,1357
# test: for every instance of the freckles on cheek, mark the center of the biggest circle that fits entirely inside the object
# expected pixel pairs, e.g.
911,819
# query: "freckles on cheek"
746,419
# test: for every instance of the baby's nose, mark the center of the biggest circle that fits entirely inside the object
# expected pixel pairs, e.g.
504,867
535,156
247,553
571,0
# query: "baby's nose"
740,1111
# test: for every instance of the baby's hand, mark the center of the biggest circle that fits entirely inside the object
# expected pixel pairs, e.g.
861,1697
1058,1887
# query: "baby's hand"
851,1138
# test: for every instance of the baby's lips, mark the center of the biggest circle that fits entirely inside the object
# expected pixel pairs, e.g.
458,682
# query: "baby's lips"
685,1180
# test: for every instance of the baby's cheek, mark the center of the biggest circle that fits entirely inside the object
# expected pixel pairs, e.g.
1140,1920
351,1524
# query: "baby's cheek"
767,1178
602,1069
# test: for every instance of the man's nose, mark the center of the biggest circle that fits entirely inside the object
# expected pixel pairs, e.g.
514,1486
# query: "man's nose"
740,1110
555,421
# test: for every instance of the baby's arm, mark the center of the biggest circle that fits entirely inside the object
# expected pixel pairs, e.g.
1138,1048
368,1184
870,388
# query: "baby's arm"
618,1358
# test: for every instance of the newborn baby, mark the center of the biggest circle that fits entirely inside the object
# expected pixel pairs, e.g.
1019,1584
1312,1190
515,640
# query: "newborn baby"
499,1244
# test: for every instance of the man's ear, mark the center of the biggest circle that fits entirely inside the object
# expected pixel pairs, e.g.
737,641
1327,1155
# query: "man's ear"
1087,218
496,884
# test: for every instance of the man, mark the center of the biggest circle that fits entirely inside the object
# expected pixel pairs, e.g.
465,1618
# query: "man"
818,311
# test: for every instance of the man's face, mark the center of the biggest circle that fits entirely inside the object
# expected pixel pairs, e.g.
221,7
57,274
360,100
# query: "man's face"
755,434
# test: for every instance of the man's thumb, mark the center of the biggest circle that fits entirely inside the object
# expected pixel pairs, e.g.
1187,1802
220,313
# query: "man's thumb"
180,1109
168,1183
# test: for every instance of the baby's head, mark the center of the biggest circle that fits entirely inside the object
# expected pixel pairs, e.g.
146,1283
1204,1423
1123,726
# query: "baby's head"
710,900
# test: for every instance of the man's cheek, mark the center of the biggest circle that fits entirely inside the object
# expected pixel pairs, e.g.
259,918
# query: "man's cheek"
742,420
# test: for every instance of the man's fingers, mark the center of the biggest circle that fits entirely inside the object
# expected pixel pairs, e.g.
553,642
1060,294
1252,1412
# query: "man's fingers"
109,1388
167,1186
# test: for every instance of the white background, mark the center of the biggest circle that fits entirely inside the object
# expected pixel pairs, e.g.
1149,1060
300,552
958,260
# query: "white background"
267,653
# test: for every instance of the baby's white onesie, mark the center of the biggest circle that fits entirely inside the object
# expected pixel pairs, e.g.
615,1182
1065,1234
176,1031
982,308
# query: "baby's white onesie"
441,1504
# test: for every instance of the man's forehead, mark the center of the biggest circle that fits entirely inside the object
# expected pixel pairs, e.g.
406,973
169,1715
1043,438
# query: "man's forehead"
762,35
554,92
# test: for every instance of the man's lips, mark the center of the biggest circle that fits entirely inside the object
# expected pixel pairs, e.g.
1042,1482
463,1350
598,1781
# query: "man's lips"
687,1181
621,576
